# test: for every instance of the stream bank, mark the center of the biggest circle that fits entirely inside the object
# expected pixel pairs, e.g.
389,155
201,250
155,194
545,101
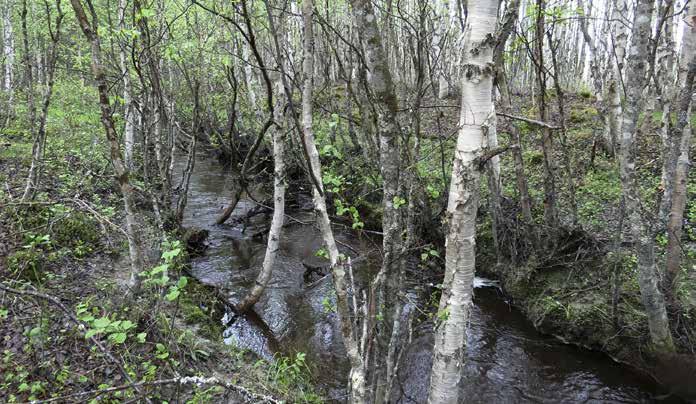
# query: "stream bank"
507,358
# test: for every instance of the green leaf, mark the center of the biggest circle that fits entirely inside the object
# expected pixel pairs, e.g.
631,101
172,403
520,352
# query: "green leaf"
183,281
118,338
141,337
101,322
169,255
159,269
398,202
91,333
127,325
174,292
161,351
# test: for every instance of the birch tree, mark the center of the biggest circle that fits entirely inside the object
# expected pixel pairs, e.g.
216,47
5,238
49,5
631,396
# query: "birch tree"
338,262
636,69
8,44
91,33
39,144
681,133
129,111
382,87
279,185
457,288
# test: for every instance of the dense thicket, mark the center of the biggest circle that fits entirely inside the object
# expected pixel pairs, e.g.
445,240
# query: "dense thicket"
544,142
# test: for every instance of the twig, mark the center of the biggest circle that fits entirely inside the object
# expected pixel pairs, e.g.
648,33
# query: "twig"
259,398
490,153
529,121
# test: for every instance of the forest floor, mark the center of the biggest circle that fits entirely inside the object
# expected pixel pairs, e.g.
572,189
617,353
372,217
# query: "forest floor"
67,246
70,330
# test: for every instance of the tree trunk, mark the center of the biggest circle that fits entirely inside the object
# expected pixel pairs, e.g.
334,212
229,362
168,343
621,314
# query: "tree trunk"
274,233
338,264
9,53
681,133
129,130
616,84
382,87
666,91
273,244
550,209
457,288
121,171
636,67
439,46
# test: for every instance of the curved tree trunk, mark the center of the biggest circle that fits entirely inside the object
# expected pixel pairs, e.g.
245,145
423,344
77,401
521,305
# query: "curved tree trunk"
121,171
338,263
457,288
276,223
279,185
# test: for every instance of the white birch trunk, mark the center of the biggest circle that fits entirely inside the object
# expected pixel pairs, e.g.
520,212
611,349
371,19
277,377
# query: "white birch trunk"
439,42
129,130
455,303
338,267
616,82
682,133
8,47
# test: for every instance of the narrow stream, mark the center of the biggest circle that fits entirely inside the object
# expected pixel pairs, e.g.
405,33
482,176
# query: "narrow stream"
507,360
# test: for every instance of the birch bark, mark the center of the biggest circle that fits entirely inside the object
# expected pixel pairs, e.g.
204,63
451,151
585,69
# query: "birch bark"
120,170
457,288
636,68
338,264
129,129
682,134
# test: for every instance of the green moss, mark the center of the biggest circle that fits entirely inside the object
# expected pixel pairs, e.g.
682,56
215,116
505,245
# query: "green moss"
77,231
583,115
585,93
27,264
533,157
599,189
198,307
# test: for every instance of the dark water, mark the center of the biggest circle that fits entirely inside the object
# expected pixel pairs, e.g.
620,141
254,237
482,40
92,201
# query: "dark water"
507,361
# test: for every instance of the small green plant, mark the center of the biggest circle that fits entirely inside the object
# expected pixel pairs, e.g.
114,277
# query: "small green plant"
352,211
433,193
116,331
293,377
159,275
398,202
322,252
327,303
428,254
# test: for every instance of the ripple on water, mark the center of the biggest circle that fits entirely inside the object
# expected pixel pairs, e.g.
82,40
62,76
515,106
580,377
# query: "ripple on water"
507,361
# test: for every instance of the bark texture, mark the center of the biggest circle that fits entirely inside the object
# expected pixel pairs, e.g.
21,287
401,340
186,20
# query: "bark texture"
338,262
636,69
90,32
457,288
681,134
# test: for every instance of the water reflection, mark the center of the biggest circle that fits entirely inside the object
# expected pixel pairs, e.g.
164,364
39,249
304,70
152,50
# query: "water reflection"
507,360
